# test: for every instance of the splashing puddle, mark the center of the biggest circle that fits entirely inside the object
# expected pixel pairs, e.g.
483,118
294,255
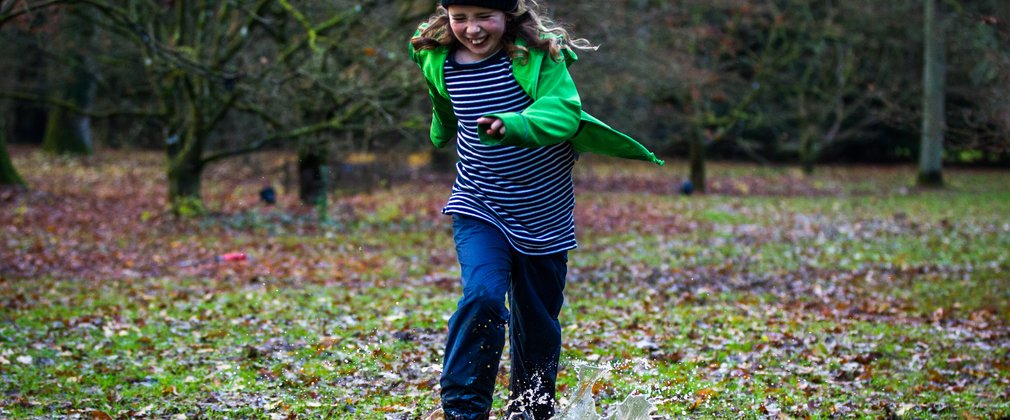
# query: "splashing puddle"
581,405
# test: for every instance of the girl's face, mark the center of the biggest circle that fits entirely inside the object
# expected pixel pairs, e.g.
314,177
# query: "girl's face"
479,30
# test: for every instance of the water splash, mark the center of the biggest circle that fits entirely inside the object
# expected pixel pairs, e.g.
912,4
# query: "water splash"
581,405
634,407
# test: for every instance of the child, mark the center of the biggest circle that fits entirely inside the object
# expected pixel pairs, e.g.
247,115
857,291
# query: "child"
499,84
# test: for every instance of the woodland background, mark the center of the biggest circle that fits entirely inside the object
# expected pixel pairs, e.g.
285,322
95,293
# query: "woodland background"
789,81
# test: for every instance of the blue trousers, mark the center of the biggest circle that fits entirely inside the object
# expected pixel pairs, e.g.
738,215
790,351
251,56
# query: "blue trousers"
492,269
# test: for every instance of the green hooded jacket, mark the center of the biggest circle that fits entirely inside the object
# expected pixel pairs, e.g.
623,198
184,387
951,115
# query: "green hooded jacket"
555,116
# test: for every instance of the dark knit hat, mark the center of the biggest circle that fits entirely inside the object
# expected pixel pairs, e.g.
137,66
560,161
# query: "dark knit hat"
503,5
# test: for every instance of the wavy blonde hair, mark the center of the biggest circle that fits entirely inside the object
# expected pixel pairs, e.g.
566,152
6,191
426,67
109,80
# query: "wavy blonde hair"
525,22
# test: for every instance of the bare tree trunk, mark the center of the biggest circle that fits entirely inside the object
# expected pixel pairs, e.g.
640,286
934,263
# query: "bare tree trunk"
313,175
8,174
68,132
808,152
807,134
933,121
697,156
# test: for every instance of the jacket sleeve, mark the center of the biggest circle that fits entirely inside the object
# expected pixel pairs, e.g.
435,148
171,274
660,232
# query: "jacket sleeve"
552,118
443,120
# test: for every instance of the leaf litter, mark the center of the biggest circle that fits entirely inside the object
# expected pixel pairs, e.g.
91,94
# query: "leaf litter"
751,301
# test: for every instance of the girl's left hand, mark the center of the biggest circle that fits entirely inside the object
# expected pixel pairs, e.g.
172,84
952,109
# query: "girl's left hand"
496,128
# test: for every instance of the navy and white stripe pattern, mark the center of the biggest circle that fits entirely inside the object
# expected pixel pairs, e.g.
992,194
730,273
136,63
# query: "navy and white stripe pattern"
526,192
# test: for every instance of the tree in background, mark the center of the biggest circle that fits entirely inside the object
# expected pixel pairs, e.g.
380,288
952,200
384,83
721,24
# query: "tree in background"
356,81
196,71
721,57
827,87
977,82
788,80
57,50
69,131
54,46
22,38
850,91
244,64
933,118
8,174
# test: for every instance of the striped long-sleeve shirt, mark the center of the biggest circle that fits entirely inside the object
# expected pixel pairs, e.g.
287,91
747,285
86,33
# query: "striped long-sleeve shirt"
526,192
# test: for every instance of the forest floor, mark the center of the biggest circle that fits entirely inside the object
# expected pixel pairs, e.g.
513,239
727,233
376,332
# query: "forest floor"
847,293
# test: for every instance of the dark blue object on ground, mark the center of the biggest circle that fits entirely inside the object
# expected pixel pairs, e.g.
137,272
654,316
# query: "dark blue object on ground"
268,195
686,188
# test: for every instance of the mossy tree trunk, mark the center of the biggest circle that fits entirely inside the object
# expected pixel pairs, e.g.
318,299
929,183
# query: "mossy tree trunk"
185,168
8,174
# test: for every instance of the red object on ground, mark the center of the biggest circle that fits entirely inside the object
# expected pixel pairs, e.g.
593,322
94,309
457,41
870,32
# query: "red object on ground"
232,256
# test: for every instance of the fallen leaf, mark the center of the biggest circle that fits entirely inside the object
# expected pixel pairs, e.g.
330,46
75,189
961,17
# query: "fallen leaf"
100,415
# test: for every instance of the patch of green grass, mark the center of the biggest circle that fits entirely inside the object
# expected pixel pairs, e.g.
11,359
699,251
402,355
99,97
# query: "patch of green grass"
250,344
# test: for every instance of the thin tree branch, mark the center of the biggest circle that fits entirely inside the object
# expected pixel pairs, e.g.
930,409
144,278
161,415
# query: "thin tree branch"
240,41
259,112
331,23
29,8
70,106
336,123
221,112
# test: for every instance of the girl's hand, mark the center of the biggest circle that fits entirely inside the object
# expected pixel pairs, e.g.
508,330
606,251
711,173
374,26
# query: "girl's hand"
496,128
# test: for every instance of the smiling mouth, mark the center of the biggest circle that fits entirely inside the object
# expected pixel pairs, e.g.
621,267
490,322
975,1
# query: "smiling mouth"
477,41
